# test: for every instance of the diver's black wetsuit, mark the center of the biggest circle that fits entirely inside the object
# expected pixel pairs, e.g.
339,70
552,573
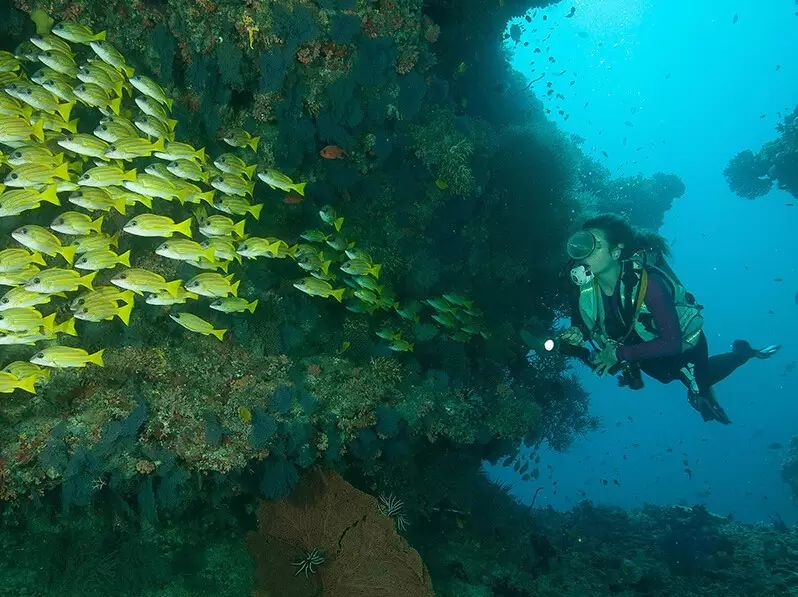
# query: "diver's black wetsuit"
708,370
662,358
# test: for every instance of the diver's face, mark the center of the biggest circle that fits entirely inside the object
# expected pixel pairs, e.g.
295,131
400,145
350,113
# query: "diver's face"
601,259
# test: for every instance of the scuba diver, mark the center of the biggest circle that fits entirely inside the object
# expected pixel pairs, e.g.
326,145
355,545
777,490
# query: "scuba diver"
638,316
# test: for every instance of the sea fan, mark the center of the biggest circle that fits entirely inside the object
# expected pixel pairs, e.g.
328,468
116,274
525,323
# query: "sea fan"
297,435
278,478
229,59
375,60
54,457
344,107
118,436
283,399
200,74
365,555
264,426
308,403
295,27
273,66
78,487
171,489
164,43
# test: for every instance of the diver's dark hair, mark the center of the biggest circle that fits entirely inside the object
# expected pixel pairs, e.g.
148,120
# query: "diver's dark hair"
618,230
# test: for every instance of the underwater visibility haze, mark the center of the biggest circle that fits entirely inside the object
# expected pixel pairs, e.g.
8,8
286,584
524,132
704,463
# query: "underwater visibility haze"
370,298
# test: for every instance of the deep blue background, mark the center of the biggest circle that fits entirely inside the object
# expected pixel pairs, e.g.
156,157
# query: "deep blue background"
694,86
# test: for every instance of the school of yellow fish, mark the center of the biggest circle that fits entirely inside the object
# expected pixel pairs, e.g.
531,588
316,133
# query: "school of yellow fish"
131,164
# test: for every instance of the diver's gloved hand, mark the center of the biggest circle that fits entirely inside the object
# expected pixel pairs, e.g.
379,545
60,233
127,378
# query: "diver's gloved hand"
708,406
606,359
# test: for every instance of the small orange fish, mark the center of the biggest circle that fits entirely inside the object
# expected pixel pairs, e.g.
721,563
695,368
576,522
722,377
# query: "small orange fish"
332,152
293,199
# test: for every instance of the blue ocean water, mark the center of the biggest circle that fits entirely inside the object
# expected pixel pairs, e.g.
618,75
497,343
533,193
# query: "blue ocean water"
691,84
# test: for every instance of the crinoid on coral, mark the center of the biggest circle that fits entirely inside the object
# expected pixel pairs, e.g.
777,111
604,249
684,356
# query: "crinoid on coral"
394,508
309,562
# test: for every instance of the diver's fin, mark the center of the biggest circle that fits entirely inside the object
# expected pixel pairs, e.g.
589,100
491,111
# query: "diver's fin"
743,348
708,406
768,351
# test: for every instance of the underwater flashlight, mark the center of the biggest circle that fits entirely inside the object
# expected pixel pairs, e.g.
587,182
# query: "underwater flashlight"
569,350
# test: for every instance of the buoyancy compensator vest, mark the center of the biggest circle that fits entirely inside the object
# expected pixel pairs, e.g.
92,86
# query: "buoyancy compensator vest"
634,312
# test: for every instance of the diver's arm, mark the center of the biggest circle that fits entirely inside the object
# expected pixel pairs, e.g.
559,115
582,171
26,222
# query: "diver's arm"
660,302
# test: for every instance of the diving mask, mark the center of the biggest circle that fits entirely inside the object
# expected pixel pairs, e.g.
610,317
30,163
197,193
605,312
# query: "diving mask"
580,245
581,275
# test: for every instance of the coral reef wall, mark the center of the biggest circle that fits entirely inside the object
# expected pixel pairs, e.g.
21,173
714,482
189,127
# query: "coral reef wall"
463,203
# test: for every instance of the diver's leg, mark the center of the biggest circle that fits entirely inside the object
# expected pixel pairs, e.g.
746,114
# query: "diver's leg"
662,369
695,374
722,365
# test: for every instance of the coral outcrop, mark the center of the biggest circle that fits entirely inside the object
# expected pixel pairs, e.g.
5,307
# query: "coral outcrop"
752,175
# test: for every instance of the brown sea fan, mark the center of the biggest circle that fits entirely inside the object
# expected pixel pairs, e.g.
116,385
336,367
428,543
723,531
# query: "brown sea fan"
364,555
